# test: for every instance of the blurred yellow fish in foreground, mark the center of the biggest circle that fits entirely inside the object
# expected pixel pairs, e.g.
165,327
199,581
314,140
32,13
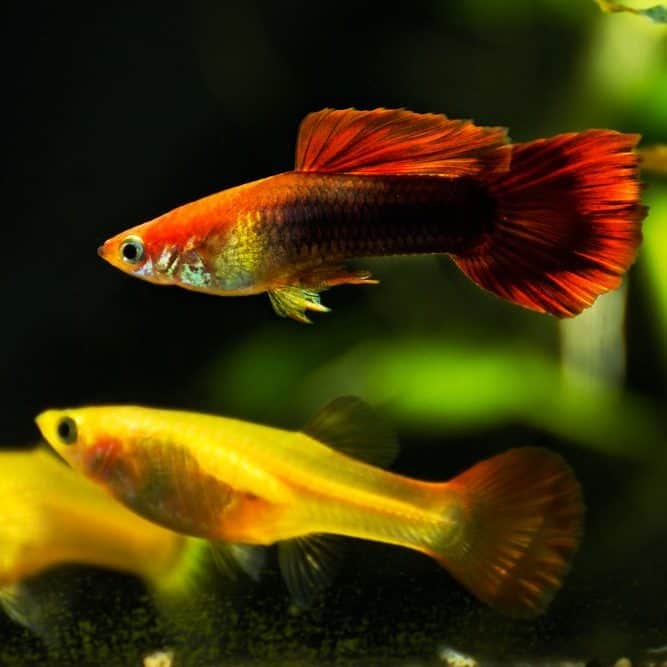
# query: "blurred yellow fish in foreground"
506,528
51,516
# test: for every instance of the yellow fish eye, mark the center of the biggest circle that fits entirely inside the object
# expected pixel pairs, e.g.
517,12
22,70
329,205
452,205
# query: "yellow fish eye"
67,431
132,250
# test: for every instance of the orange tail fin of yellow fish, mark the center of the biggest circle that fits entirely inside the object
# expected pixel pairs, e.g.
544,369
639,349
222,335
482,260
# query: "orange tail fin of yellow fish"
522,522
568,223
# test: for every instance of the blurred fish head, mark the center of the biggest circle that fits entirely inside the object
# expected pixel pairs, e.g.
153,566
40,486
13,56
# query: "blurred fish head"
83,439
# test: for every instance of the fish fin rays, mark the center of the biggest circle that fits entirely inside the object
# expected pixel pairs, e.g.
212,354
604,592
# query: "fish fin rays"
568,223
38,604
399,142
234,558
308,565
523,522
349,425
17,604
295,301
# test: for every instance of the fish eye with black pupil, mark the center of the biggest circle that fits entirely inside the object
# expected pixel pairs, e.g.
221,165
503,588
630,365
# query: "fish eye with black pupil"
67,430
132,249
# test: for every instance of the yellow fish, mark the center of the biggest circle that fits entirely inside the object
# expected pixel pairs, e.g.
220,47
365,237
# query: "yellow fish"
50,516
506,528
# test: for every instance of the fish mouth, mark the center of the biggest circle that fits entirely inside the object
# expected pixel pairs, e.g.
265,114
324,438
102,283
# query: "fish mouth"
46,423
100,251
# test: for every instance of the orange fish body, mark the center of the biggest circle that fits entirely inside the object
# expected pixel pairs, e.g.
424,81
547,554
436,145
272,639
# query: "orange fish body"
507,528
549,224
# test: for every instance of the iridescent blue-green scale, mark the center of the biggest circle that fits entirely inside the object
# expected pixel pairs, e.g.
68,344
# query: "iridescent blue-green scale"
335,217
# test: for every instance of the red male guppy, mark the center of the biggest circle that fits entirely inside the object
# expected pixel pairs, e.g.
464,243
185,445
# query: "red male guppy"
550,224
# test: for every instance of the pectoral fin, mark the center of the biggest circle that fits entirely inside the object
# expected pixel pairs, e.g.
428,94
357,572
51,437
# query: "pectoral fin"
295,301
39,604
16,602
230,558
308,564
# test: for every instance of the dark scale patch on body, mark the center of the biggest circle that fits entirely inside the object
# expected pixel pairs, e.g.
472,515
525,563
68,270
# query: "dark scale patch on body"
343,216
165,484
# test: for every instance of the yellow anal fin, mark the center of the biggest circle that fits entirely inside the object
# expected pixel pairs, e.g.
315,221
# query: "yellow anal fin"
295,301
352,427
308,565
304,294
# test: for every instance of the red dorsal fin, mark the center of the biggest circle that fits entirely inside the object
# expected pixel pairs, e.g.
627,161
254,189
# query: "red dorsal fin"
396,141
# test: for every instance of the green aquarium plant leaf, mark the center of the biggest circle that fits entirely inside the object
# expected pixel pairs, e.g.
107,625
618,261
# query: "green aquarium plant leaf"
658,13
653,260
441,387
654,159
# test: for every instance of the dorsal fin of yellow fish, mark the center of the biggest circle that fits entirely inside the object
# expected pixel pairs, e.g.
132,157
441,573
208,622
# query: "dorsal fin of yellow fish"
352,427
398,142
308,565
234,558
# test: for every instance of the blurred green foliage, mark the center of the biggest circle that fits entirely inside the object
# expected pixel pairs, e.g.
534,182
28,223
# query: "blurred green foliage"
440,386
654,263
658,13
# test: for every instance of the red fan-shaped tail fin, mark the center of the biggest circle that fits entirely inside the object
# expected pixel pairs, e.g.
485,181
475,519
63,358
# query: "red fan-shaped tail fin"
568,222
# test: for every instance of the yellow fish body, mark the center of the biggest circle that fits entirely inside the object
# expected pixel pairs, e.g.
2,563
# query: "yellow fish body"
50,516
507,528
